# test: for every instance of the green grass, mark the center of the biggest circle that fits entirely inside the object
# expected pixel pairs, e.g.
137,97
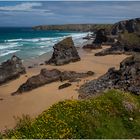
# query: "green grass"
106,116
130,38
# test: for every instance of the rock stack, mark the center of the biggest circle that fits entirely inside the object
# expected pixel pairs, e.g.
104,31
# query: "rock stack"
11,69
64,53
101,37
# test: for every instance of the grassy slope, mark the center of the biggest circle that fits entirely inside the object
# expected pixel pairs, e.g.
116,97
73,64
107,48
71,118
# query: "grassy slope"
130,38
107,116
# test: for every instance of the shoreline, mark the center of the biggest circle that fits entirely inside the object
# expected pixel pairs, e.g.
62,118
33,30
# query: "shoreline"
42,58
36,101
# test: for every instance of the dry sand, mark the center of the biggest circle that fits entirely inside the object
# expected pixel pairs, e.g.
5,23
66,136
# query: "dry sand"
38,100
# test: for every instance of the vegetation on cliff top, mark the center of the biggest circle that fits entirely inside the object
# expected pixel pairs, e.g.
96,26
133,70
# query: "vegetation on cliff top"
114,114
130,38
74,27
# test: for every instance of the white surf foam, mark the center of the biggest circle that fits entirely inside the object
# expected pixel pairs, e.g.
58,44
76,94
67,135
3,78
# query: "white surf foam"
13,40
8,45
8,52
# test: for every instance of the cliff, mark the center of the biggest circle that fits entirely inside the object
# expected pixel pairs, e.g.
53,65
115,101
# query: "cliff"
131,26
74,27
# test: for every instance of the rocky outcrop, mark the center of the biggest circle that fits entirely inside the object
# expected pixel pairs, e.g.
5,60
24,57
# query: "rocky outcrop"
115,49
127,43
11,69
132,25
127,78
49,76
101,36
64,53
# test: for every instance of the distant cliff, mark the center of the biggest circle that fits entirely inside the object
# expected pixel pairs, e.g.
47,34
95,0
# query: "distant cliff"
74,27
131,26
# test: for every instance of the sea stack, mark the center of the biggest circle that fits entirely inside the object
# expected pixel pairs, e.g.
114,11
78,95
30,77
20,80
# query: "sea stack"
101,37
11,69
64,53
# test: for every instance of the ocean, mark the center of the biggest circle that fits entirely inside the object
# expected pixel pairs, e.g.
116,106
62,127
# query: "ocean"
28,43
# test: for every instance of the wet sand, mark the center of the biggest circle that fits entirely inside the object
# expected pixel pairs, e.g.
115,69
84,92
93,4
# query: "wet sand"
38,100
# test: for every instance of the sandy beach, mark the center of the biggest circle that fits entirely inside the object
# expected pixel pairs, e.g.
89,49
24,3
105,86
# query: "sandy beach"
38,100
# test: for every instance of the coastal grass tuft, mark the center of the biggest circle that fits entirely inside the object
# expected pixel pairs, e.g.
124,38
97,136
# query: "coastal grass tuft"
130,38
114,114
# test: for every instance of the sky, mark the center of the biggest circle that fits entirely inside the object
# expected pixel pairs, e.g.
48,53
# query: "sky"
32,13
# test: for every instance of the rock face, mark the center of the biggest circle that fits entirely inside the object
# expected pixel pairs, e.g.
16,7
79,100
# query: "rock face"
127,43
49,76
101,36
127,78
132,25
11,69
64,53
116,48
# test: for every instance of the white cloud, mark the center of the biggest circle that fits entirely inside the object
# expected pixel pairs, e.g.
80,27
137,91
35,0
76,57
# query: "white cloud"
26,7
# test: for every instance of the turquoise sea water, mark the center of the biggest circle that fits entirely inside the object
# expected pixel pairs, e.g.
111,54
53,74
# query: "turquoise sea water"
27,43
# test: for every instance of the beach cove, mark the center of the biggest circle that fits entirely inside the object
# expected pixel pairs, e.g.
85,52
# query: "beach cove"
34,102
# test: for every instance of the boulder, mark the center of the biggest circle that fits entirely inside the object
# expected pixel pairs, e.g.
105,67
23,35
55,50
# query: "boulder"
127,78
49,76
64,53
64,85
11,69
92,46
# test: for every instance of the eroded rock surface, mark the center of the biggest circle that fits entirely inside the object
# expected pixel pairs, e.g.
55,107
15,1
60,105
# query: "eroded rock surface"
127,78
132,25
11,69
49,76
101,38
64,53
116,48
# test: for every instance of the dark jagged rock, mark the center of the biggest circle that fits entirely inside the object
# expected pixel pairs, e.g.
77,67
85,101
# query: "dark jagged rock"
49,76
64,85
116,48
92,46
64,53
11,69
127,43
101,36
127,78
132,25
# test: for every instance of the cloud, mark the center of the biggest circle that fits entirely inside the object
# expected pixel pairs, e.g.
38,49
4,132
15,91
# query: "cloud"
24,7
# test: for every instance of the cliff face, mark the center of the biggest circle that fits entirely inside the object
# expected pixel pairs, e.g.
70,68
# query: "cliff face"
73,27
131,26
